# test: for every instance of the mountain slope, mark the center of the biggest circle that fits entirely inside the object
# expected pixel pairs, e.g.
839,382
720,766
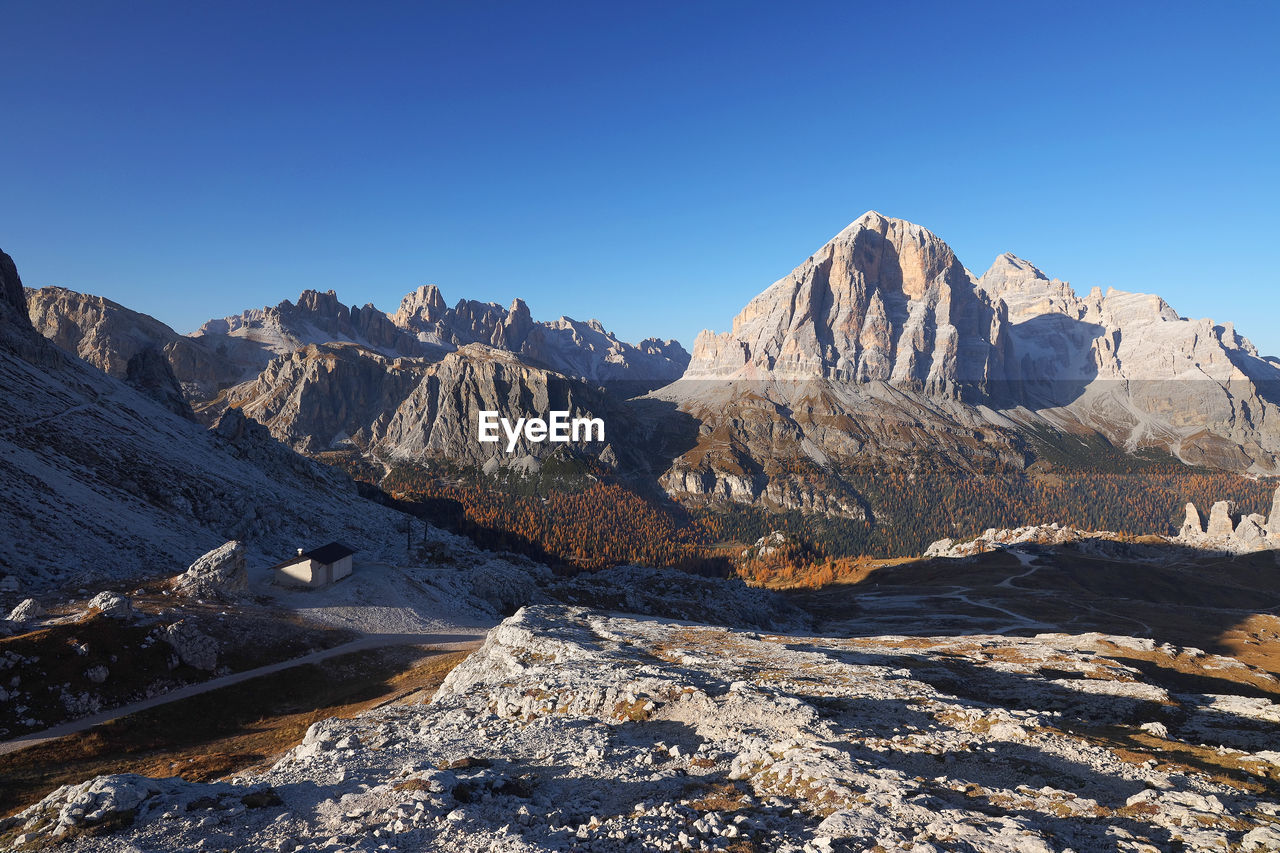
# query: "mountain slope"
1128,366
98,481
110,337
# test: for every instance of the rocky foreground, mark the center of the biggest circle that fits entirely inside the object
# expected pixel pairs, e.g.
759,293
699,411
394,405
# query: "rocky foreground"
574,729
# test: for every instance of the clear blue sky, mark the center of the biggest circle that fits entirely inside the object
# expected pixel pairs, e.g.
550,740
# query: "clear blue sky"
654,165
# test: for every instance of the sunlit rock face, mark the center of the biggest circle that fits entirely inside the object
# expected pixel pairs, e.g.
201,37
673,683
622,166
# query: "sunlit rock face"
883,301
881,345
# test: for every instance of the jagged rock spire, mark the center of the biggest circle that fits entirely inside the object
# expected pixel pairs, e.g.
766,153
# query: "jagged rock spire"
1192,525
1221,517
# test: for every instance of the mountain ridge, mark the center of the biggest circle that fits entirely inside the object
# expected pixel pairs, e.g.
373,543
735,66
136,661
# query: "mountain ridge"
100,482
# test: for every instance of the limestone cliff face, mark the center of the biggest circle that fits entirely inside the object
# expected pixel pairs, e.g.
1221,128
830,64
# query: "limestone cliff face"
884,301
102,332
439,419
124,344
324,396
881,348
1128,366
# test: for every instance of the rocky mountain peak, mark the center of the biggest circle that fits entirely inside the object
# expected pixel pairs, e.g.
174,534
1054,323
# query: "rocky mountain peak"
324,304
12,297
1010,270
884,300
13,300
423,306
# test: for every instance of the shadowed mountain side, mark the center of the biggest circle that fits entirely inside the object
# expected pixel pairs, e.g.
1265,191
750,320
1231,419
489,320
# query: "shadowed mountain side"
1167,593
1053,368
98,481
110,336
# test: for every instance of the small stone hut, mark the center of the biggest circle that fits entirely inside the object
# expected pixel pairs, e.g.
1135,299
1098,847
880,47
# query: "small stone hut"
319,567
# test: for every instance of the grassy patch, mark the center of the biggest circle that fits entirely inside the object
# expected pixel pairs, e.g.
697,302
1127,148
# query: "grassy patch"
227,730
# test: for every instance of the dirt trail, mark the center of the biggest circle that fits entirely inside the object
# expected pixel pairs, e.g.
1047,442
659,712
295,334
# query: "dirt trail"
442,642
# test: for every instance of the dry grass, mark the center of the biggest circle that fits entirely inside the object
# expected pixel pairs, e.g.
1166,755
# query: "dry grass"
224,731
58,658
717,796
1138,747
635,711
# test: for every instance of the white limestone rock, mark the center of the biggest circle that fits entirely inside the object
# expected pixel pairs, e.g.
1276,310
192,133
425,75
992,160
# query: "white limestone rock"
112,605
1192,525
574,727
27,610
1249,533
1222,519
193,646
219,575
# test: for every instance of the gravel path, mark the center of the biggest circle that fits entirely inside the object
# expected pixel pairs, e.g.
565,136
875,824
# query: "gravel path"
443,642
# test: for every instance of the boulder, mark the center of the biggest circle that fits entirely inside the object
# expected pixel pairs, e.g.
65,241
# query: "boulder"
112,604
1249,533
219,574
193,646
1221,518
27,610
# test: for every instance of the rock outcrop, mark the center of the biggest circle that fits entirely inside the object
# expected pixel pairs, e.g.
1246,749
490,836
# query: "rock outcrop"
1273,521
1222,519
112,605
579,729
1229,530
192,646
17,337
27,610
994,539
1192,525
219,575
